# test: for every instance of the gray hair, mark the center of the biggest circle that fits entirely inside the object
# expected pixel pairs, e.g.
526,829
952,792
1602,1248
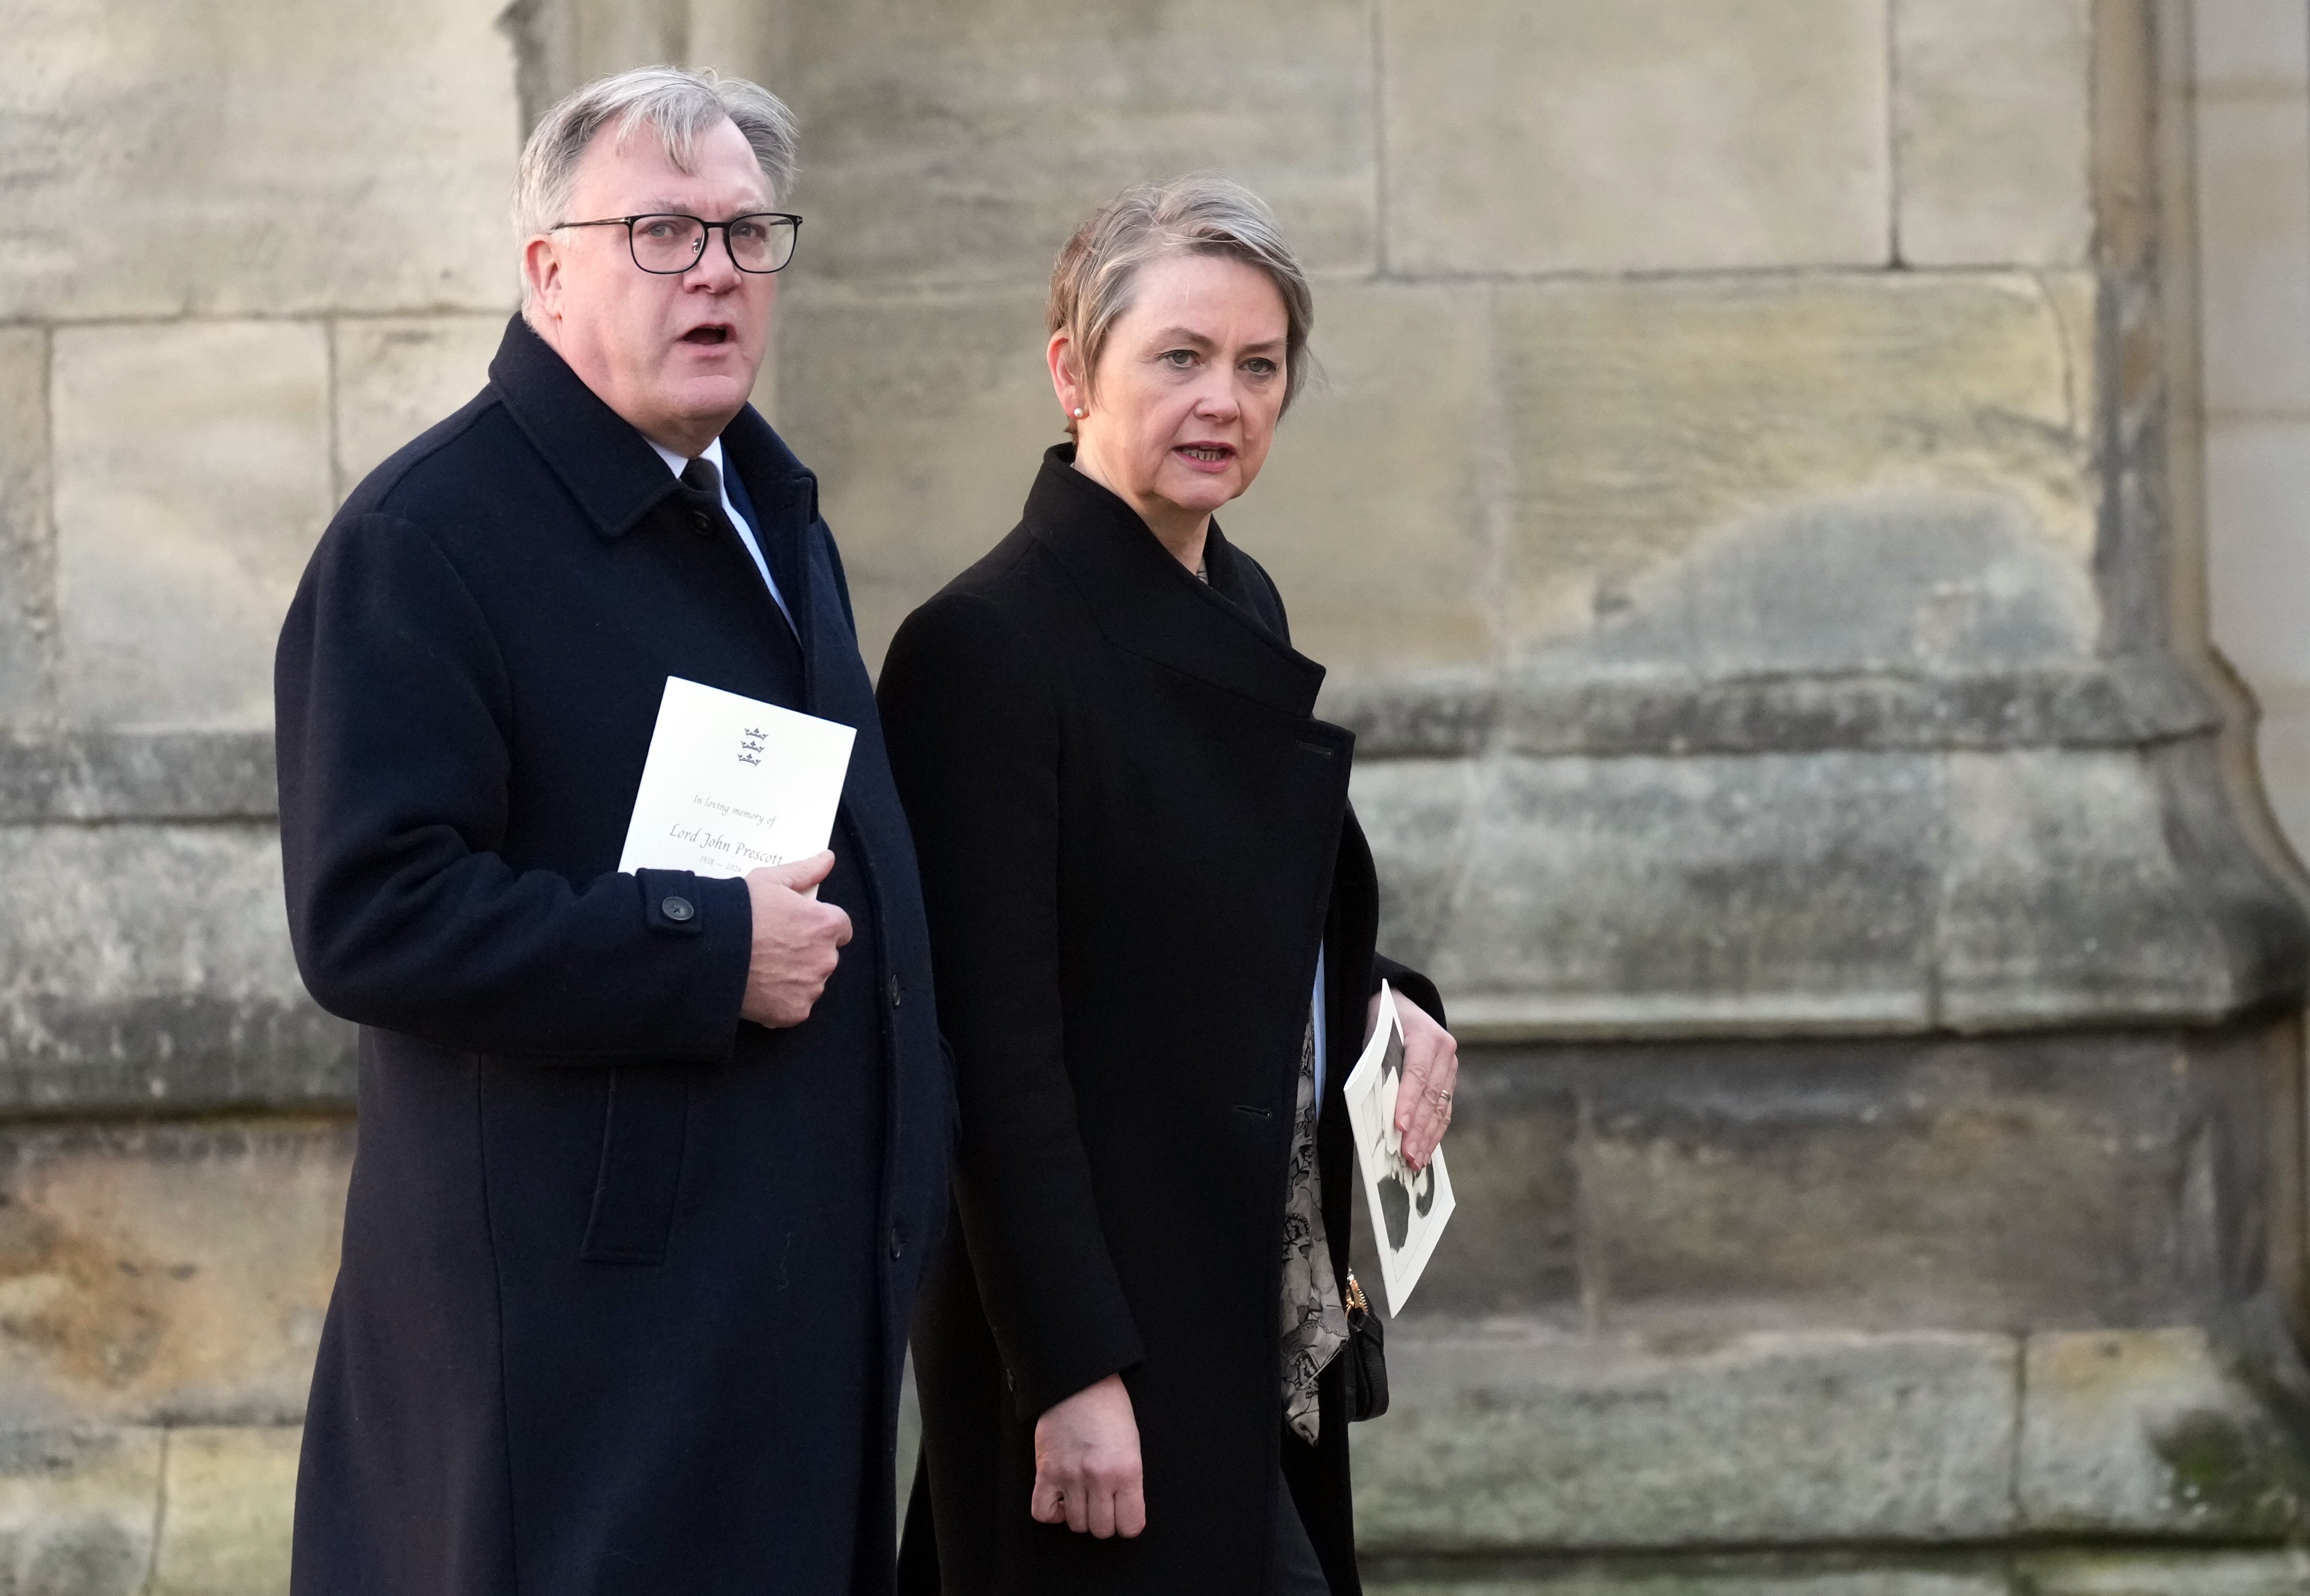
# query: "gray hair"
1092,284
678,105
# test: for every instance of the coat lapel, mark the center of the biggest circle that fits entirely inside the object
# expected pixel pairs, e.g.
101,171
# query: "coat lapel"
1145,602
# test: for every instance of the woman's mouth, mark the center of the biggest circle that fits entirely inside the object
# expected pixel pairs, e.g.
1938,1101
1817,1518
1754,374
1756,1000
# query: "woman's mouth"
1206,456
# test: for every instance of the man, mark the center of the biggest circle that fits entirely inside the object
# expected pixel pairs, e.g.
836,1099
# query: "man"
648,1162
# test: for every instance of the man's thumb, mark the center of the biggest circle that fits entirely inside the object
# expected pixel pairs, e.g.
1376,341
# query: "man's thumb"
804,873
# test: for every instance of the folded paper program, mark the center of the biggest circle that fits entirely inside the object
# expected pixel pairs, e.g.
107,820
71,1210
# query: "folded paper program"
732,784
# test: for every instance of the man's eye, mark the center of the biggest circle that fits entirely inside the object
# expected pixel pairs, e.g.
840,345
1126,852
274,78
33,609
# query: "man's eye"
658,229
749,233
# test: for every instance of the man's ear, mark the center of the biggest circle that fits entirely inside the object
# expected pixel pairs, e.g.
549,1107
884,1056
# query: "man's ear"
540,271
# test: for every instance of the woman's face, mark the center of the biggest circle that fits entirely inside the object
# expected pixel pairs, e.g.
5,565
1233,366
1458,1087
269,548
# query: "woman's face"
1188,389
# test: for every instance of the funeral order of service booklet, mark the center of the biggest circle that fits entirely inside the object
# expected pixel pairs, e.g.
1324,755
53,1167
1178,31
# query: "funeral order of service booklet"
732,784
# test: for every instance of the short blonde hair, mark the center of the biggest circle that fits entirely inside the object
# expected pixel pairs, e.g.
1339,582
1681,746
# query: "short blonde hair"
1091,286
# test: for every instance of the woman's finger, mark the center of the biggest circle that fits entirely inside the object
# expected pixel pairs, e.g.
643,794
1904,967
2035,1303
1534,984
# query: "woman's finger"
1077,1508
1043,1502
1101,1512
1130,1510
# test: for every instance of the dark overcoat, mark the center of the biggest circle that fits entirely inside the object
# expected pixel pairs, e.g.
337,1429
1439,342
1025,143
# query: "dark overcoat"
1134,834
625,1279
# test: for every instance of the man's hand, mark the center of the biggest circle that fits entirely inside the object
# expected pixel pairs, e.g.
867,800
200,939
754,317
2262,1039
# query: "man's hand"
1087,1463
1431,1073
795,940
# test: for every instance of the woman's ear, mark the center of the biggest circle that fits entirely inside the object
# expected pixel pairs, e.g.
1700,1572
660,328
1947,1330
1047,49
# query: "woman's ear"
1075,398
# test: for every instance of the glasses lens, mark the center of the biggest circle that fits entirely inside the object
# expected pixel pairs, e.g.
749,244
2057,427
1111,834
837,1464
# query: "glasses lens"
667,243
761,243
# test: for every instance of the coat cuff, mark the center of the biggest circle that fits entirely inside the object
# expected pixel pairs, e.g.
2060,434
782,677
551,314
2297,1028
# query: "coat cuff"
712,919
1411,984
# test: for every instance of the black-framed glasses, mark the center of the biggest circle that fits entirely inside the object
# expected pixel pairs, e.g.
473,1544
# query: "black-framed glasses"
669,244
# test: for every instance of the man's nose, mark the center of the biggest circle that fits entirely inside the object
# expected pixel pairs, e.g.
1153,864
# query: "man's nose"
714,269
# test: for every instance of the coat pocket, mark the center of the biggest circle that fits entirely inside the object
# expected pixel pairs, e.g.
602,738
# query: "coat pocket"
644,1137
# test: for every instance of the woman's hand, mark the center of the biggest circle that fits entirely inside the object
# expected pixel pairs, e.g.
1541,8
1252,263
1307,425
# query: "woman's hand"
1087,1463
1431,1073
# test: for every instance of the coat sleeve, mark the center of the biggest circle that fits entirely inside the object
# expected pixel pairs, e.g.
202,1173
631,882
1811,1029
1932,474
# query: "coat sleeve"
1410,982
393,709
974,743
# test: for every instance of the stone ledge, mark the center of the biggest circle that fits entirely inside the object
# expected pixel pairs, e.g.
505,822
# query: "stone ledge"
1833,892
2107,1571
2125,701
1434,713
1509,1440
142,775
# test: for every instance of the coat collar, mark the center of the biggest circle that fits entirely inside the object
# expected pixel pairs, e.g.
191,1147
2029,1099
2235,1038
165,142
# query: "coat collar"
1145,600
607,466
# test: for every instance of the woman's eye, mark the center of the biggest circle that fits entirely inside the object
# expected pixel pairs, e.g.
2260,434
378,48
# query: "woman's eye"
1179,359
1260,366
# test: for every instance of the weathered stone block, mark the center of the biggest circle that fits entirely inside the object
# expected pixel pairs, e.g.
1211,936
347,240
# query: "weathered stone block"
926,421
1993,120
27,544
2152,1433
230,1496
1600,896
192,478
1701,1576
397,376
1510,1442
2165,1573
2249,46
1893,1185
223,158
2164,911
1371,514
965,143
1640,135
2253,235
167,1273
76,1511
1843,416
149,966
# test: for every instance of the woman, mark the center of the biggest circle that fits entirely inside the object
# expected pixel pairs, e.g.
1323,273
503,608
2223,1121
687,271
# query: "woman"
1153,918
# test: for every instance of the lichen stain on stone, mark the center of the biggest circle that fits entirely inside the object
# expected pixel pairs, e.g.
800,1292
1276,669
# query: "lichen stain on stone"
88,1313
2229,1472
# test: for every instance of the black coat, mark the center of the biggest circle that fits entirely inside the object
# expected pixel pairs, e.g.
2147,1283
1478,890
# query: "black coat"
625,1279
1133,834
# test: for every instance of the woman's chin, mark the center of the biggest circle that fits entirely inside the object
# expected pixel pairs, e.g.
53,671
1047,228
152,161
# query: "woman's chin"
1202,494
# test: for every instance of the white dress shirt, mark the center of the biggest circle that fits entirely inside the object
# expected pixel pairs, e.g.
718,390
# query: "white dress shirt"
713,455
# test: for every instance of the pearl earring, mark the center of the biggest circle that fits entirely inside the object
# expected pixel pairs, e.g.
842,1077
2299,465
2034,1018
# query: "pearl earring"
1081,412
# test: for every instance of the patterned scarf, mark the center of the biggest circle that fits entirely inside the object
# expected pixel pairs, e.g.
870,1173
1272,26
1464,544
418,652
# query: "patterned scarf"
1315,1320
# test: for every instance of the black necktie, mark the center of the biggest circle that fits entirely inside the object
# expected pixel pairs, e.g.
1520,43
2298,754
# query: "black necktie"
708,514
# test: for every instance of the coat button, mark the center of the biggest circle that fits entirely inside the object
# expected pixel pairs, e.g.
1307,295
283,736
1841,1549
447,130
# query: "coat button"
896,995
897,1245
676,909
702,521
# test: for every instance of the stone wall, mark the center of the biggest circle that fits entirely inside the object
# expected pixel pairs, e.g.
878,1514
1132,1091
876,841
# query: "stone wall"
1752,518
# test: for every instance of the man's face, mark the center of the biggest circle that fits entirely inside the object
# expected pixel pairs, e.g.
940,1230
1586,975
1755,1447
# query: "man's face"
674,355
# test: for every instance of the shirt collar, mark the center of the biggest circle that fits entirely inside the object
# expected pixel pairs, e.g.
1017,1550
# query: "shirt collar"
711,454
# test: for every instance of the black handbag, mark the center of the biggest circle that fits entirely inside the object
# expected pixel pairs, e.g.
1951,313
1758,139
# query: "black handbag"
1366,1354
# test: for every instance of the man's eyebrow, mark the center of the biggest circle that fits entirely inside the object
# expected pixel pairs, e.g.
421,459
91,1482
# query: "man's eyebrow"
659,205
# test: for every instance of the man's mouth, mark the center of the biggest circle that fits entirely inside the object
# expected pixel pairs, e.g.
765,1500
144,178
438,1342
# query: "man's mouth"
706,335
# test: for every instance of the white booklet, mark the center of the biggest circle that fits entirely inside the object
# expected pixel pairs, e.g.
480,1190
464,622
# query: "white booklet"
732,784
1408,1207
